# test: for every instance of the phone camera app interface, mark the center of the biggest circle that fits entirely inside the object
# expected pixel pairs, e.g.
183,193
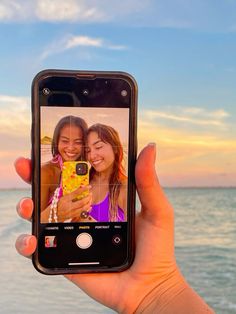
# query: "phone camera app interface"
84,164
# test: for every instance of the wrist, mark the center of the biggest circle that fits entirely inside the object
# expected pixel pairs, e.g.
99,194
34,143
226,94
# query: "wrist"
174,295
163,293
143,290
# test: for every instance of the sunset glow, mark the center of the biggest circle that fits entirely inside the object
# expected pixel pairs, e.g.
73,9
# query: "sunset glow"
183,61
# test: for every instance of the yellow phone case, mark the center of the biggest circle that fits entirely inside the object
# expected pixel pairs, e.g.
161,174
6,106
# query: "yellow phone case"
71,180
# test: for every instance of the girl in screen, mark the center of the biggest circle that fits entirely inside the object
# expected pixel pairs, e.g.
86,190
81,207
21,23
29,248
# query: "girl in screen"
68,144
107,175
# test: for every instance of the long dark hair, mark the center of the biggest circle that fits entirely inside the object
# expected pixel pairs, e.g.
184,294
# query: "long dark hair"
69,120
109,135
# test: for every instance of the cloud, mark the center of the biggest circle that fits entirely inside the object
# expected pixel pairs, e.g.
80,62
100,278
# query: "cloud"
79,11
145,12
15,116
178,14
70,41
185,133
69,10
195,154
190,115
15,136
50,11
74,41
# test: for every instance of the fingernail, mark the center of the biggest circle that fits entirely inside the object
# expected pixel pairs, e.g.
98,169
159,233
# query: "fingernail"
24,208
23,241
31,241
27,241
22,203
152,144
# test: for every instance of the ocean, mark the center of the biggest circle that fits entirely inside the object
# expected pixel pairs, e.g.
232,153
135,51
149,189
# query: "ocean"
205,238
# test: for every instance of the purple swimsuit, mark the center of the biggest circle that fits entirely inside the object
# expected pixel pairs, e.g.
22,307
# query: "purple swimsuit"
100,212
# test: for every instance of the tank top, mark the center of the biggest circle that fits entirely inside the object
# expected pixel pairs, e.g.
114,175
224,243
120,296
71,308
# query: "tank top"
100,212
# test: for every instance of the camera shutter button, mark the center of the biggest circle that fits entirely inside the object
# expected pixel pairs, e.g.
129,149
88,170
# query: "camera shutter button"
84,240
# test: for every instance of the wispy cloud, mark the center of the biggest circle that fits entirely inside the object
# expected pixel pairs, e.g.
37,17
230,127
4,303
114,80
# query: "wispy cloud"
190,115
70,41
79,11
197,154
15,115
70,10
74,41
50,11
195,14
186,134
146,12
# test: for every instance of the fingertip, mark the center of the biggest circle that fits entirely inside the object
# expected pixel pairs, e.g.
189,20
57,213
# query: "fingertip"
23,168
26,245
149,151
145,167
153,147
25,208
152,197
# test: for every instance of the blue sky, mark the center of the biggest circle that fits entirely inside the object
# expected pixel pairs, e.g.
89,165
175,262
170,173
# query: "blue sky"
182,54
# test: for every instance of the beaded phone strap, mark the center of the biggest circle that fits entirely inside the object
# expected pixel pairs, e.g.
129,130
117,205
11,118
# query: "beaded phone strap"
53,206
57,193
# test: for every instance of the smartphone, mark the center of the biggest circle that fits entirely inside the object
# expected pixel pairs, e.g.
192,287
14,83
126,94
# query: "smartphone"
75,174
84,126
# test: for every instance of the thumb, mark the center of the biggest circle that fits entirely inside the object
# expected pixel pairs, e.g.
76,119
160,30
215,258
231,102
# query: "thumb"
155,205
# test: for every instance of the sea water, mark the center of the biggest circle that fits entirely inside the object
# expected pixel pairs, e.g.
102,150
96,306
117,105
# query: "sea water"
205,238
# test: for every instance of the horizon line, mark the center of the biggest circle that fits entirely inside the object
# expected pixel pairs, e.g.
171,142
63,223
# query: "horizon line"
164,187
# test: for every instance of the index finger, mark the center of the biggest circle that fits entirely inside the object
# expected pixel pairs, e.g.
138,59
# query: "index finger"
23,168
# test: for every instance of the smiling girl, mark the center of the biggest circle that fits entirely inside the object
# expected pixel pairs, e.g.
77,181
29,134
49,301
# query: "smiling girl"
68,144
107,175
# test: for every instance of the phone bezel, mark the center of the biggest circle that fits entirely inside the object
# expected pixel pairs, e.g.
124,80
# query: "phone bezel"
35,134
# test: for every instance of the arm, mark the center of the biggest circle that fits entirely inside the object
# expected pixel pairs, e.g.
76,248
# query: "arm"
174,295
153,284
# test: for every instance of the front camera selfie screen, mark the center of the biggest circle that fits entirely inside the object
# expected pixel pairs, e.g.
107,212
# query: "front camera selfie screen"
84,165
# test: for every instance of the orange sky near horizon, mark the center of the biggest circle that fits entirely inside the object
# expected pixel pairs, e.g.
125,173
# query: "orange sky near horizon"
184,157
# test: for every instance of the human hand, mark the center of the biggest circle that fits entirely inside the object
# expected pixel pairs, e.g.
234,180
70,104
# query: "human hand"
154,277
69,207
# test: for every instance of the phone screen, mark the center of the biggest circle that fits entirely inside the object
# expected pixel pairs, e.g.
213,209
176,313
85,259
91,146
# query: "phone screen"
84,150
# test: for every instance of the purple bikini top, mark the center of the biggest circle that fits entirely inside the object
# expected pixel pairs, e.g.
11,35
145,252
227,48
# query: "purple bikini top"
100,212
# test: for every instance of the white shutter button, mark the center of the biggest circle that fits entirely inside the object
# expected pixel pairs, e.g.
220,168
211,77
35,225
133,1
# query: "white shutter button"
84,240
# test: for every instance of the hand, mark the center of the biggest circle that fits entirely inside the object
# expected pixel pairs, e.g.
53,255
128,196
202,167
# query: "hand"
154,277
70,208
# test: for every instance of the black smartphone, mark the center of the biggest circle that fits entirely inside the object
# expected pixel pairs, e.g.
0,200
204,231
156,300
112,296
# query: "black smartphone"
84,146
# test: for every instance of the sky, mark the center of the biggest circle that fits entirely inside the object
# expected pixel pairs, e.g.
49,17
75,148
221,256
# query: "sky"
181,53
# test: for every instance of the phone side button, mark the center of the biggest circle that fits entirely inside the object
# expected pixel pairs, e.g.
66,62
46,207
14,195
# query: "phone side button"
84,240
